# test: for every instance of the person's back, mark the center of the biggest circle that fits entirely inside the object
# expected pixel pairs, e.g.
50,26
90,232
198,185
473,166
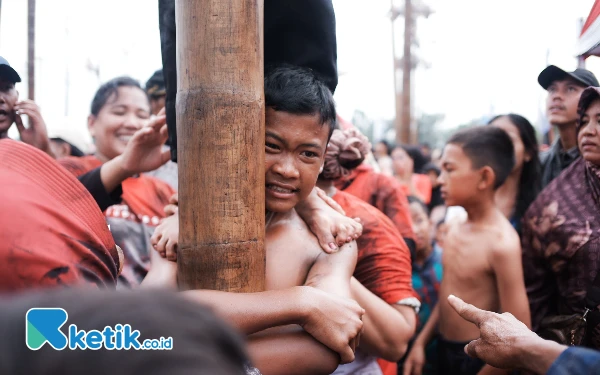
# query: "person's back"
482,255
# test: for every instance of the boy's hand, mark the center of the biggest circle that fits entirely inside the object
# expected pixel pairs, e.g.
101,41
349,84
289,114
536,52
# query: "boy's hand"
144,152
173,207
415,361
162,274
325,220
334,321
37,134
166,237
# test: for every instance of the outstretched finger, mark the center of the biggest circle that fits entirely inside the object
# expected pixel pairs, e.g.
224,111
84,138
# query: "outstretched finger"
467,311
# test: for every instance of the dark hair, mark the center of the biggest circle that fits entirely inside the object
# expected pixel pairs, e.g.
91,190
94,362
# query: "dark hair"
108,89
419,160
388,148
487,146
201,342
412,199
531,176
75,151
299,91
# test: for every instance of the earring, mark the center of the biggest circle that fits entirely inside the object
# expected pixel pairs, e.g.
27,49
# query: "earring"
321,169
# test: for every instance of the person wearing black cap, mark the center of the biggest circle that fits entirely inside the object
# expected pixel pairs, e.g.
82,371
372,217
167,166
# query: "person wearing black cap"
564,89
11,110
155,88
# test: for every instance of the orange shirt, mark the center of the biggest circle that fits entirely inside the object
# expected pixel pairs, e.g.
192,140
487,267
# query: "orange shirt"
382,192
133,221
53,233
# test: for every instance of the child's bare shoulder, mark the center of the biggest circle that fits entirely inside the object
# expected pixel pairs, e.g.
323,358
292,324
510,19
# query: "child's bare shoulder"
504,239
292,233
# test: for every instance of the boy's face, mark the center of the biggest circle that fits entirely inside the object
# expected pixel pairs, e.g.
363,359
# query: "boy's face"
459,180
421,226
562,101
295,148
8,99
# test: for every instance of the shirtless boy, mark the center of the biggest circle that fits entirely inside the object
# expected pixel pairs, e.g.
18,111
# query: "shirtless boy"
306,287
482,255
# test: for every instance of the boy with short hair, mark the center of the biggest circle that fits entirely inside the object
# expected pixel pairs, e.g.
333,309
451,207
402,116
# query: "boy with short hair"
307,307
482,255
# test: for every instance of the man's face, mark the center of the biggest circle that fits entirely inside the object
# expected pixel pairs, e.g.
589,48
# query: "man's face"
295,148
8,99
562,101
458,179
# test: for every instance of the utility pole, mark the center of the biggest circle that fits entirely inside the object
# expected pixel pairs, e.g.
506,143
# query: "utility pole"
31,48
221,135
403,122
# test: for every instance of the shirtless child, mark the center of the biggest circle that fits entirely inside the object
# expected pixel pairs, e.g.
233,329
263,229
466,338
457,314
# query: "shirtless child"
482,255
306,287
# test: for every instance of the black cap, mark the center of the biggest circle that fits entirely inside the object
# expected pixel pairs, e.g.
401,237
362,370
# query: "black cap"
553,73
156,84
7,72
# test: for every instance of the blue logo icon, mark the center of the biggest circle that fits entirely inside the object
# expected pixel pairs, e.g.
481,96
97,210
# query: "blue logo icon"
43,326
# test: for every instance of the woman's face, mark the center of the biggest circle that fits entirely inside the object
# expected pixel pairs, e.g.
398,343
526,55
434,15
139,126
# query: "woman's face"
380,150
402,163
118,120
521,155
588,138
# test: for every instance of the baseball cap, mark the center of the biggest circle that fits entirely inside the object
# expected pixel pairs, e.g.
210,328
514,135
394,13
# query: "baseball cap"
553,73
8,72
156,84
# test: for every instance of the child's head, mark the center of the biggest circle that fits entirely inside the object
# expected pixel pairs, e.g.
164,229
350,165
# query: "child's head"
475,161
420,224
299,119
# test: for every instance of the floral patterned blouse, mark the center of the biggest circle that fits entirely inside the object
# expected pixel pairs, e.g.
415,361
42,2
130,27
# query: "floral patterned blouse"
561,243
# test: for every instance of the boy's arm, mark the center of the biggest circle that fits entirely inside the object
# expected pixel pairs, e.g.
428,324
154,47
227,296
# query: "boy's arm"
332,272
508,269
387,328
290,350
327,221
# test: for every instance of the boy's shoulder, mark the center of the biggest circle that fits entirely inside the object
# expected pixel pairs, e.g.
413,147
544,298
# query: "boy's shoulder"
289,231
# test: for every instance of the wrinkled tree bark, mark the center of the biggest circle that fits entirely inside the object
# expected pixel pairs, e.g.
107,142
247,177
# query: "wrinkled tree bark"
220,127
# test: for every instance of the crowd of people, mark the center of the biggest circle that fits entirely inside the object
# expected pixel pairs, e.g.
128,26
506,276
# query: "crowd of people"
478,258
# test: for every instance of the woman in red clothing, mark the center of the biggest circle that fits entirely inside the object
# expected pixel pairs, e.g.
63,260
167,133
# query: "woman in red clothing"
407,165
380,191
119,109
382,278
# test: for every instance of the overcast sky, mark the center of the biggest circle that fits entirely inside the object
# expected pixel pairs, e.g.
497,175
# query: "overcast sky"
484,56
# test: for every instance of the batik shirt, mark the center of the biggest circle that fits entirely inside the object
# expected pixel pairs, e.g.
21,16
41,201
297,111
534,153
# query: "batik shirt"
561,243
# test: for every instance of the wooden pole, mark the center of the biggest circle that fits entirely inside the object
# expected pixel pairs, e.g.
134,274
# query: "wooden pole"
220,127
31,48
405,136
397,92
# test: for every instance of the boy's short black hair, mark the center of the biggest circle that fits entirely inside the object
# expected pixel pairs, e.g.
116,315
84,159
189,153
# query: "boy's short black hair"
412,199
299,91
487,146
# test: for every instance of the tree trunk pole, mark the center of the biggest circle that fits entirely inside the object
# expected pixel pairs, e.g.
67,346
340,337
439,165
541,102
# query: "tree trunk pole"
405,134
220,127
31,48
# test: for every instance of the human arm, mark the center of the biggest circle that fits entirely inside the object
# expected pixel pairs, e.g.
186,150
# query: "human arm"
327,221
505,342
37,133
284,350
387,328
93,183
144,152
416,357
